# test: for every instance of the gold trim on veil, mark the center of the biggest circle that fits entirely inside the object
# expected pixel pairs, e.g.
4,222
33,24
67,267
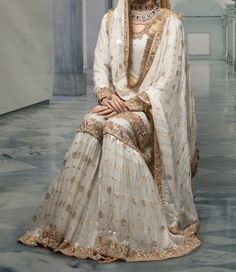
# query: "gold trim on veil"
165,4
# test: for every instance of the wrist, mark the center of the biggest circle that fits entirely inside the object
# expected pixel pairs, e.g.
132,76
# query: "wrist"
103,93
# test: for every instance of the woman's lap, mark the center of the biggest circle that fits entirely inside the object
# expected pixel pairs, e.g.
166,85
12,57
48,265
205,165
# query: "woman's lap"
132,128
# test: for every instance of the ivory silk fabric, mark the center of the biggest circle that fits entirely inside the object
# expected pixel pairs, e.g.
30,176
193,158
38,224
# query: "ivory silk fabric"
124,189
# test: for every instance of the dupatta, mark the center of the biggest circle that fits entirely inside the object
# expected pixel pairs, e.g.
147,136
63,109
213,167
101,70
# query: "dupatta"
165,83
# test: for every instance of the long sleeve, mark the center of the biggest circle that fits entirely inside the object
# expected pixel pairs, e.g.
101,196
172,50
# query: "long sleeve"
101,67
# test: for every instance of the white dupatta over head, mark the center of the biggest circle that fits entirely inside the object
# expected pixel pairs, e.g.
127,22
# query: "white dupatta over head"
165,80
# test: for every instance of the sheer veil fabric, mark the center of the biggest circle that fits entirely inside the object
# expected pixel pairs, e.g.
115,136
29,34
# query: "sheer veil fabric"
166,82
105,203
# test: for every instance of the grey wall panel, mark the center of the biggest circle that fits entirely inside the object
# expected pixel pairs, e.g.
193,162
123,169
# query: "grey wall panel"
69,78
26,67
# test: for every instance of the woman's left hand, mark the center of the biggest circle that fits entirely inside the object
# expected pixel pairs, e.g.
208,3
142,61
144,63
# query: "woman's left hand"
102,110
115,103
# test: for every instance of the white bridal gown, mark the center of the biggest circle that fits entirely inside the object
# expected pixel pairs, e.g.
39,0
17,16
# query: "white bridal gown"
104,203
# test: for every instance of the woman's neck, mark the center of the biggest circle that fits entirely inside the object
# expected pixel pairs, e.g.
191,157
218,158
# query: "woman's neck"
143,4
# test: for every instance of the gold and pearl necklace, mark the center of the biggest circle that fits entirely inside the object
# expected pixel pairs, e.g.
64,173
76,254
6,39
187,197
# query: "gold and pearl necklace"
142,14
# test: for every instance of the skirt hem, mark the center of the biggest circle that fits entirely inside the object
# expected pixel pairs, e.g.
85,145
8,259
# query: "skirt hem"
107,250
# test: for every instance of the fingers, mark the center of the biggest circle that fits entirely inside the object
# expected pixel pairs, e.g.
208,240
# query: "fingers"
114,103
105,103
110,115
99,109
122,105
105,112
115,106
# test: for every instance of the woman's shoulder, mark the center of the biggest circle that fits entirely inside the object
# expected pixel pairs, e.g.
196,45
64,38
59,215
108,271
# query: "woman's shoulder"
107,18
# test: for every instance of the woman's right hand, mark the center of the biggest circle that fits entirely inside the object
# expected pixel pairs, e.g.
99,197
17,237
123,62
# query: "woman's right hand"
115,103
104,111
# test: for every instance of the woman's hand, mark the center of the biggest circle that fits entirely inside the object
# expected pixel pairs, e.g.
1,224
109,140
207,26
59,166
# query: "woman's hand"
115,103
104,111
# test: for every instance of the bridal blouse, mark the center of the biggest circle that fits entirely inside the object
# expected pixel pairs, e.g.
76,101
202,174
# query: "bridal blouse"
113,197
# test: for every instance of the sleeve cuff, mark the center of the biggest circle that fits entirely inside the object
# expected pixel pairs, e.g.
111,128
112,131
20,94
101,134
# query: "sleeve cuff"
103,93
140,102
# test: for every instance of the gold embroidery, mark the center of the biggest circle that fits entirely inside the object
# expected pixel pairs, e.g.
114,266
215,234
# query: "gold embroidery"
143,96
157,168
127,43
110,248
156,254
131,80
142,136
123,135
93,127
103,93
107,249
141,133
136,104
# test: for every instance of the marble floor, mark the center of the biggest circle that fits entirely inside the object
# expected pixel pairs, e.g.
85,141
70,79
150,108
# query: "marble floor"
32,147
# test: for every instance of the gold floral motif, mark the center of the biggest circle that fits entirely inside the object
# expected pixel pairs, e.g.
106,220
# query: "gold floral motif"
107,249
93,127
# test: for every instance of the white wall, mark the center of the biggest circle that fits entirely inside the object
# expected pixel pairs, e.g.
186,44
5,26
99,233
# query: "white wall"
25,53
204,17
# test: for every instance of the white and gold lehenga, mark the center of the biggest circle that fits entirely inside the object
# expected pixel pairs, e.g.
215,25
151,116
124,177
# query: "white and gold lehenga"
124,190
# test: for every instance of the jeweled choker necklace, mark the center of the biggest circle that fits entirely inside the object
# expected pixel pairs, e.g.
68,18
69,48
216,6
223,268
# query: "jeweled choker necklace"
143,16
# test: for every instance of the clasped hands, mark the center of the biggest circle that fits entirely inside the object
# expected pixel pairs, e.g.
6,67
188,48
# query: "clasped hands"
110,106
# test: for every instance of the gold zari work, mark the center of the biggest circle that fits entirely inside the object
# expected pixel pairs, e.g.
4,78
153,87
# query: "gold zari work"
103,93
106,249
93,127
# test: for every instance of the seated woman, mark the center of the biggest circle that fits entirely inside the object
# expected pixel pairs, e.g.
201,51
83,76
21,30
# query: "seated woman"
124,190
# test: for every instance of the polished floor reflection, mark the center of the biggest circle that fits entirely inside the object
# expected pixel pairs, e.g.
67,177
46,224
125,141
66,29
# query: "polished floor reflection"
32,146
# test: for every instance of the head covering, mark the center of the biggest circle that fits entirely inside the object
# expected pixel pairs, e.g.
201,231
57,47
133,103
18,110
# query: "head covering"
165,4
165,81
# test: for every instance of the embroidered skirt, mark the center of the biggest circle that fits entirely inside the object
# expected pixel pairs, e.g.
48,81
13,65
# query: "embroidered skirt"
105,203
